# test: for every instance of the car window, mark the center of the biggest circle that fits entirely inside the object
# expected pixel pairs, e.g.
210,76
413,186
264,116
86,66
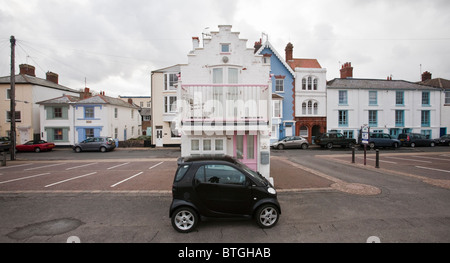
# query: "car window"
181,172
386,136
220,174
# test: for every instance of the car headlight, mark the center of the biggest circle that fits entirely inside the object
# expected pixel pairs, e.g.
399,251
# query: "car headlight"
271,190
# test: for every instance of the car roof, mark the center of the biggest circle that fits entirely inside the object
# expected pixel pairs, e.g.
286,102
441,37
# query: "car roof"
207,158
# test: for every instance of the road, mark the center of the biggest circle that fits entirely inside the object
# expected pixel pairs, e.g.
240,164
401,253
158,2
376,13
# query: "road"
105,198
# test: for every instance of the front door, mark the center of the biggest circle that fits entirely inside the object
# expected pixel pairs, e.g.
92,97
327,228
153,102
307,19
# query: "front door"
245,147
159,136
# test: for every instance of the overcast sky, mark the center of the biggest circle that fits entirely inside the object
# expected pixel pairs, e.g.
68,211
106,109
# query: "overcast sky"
115,45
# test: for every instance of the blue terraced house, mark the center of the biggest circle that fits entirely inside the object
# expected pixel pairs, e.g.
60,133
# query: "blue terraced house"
282,75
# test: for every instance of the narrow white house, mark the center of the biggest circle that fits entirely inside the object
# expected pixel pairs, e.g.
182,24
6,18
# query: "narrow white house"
68,119
224,101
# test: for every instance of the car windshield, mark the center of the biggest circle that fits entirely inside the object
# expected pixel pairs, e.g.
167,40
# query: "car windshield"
255,175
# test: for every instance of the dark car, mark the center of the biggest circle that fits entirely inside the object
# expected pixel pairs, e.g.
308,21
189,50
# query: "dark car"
5,144
35,146
221,187
415,139
381,140
102,144
291,142
443,140
330,139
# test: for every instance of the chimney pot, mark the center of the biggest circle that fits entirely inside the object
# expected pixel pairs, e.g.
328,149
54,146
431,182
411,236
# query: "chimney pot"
346,70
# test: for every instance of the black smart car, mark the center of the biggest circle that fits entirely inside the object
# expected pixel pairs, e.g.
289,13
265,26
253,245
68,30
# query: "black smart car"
220,186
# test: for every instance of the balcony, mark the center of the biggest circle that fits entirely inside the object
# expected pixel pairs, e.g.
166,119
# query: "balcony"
230,107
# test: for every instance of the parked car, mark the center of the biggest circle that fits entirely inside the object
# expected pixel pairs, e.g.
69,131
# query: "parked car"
443,140
381,140
291,142
330,139
415,139
102,144
5,144
35,146
220,186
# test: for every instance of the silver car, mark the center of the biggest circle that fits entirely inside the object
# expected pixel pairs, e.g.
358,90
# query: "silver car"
102,144
291,142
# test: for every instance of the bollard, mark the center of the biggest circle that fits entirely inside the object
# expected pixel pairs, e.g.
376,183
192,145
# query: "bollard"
377,159
3,158
353,154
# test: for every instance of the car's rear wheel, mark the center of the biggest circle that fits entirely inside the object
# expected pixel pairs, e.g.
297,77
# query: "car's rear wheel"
103,149
267,216
329,145
184,219
413,145
304,146
280,147
37,150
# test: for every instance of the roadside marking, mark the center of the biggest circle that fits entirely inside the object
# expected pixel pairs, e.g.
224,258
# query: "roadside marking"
79,166
126,179
23,178
371,159
45,166
19,165
73,178
112,167
155,165
434,169
432,158
412,160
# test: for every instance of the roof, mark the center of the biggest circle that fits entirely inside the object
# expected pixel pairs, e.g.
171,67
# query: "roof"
352,83
27,79
438,83
304,63
98,99
169,69
268,45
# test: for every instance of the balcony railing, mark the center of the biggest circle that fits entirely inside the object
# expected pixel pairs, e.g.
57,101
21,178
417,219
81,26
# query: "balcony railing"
213,106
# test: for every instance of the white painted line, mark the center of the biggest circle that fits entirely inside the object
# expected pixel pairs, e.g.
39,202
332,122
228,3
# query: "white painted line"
412,160
432,158
79,166
155,165
117,166
73,178
45,166
19,165
433,169
382,161
126,179
23,178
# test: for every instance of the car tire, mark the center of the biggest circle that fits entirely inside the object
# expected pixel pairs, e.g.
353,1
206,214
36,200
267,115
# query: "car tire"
432,144
267,216
304,146
37,150
280,147
330,145
77,149
184,219
372,145
351,145
395,145
103,149
412,145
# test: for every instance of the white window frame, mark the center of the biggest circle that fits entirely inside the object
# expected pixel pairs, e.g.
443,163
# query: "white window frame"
168,106
169,80
212,145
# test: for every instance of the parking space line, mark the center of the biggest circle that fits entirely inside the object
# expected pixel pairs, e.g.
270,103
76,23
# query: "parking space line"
19,165
23,178
79,166
383,161
131,177
404,159
70,179
434,169
117,166
432,158
45,166
155,165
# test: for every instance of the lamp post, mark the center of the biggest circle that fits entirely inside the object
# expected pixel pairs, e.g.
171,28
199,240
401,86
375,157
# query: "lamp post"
13,100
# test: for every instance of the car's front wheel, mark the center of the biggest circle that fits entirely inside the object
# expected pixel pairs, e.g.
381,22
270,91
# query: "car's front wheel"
77,149
267,216
184,219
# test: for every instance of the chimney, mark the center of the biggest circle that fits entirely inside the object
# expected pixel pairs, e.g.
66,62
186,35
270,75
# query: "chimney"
53,77
289,51
195,42
347,70
258,45
86,94
426,76
130,101
26,69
